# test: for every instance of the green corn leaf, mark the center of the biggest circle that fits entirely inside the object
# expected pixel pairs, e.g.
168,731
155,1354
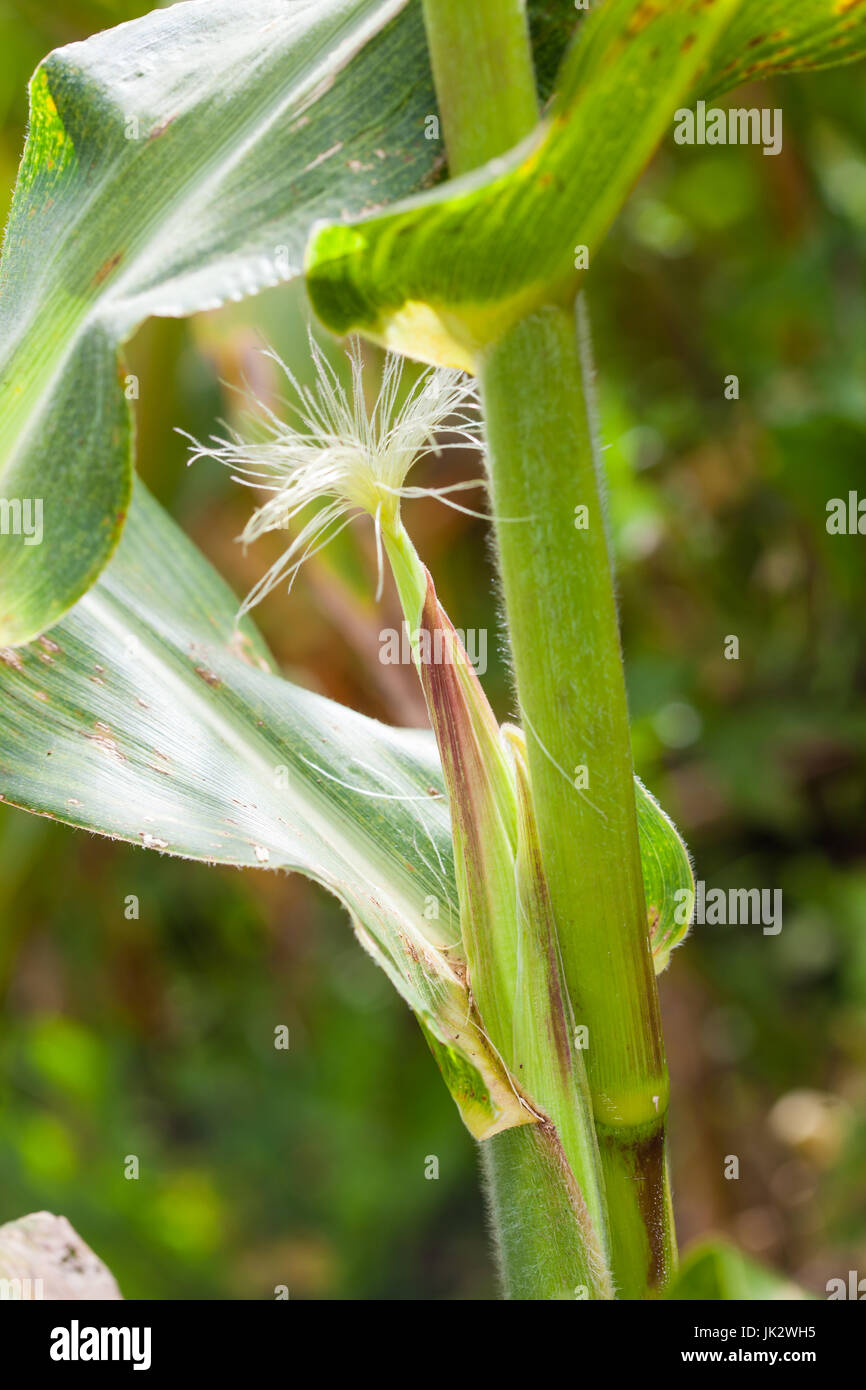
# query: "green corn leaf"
667,878
148,716
768,36
442,276
715,1271
172,164
175,163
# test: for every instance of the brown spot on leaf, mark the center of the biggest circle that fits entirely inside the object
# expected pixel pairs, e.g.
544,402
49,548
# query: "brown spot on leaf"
106,743
645,13
161,127
240,646
107,267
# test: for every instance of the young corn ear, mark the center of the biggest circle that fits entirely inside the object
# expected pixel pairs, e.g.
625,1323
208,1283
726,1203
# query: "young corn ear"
480,790
509,935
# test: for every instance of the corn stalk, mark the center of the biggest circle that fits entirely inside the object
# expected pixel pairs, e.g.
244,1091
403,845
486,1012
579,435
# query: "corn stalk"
561,618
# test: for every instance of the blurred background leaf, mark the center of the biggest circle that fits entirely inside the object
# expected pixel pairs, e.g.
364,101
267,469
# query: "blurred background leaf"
717,1272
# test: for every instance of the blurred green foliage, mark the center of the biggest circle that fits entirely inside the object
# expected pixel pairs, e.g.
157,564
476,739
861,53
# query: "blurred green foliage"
153,1036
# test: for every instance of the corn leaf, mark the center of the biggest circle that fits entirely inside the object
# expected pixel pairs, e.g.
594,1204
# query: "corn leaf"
715,1271
148,716
768,36
172,164
442,275
667,878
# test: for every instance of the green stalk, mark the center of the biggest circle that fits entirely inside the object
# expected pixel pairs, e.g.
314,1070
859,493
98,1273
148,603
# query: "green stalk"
532,1217
562,620
485,82
568,667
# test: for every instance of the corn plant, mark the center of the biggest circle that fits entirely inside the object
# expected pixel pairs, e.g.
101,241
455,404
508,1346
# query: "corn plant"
200,155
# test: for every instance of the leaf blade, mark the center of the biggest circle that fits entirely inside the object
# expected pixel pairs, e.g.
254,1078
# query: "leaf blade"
716,1271
150,186
776,36
147,716
174,163
441,276
667,876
